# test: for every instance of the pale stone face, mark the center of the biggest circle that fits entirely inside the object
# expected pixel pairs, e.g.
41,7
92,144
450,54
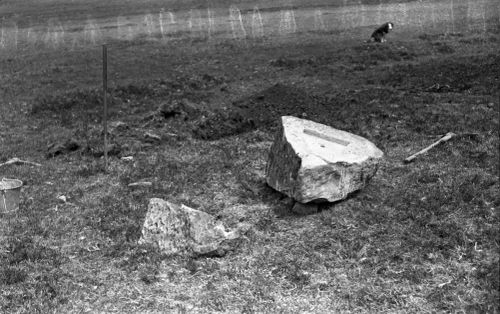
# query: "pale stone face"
182,230
314,162
326,143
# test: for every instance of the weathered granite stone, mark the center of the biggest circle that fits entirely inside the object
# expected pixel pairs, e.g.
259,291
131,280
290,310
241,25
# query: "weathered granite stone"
185,231
309,161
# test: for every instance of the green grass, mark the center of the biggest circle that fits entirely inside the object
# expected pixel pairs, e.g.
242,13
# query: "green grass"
421,237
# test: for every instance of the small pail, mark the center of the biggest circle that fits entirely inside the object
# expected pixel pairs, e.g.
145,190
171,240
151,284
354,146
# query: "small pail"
10,191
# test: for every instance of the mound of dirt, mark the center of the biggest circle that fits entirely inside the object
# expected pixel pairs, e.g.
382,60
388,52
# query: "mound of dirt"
350,110
221,123
267,106
261,110
183,108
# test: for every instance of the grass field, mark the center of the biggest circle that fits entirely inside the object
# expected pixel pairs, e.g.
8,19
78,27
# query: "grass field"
421,237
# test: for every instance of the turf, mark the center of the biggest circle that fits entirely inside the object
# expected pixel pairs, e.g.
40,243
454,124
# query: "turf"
421,237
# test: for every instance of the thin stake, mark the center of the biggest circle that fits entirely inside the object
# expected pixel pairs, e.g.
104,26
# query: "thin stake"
85,113
452,17
104,95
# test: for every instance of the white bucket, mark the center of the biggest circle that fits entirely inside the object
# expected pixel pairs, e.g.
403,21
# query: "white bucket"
10,191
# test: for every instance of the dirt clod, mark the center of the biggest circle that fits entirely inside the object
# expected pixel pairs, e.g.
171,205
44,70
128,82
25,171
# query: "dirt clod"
61,148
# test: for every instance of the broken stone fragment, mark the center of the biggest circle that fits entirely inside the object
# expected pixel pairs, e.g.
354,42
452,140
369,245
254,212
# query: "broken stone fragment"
181,230
312,162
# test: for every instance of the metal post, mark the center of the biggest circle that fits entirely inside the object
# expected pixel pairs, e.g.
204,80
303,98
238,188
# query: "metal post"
104,95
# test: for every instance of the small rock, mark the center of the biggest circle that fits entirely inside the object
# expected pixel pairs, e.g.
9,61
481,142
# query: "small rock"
151,136
181,230
305,209
174,135
141,184
118,126
62,198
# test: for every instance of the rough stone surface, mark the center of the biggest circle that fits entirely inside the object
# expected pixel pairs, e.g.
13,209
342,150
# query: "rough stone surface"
309,161
182,230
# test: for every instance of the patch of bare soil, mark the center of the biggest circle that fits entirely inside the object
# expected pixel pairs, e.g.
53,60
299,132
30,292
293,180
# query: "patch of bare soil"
260,110
221,123
267,106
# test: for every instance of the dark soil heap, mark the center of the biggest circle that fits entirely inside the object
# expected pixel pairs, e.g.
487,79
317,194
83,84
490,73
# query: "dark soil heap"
267,106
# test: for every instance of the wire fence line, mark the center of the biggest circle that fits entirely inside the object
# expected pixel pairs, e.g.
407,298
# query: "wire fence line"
447,16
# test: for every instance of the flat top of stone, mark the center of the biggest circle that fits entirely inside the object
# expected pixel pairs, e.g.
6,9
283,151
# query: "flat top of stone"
329,144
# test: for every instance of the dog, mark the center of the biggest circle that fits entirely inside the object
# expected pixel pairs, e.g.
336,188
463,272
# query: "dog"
379,34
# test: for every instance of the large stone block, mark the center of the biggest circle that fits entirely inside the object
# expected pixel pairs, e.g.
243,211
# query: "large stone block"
185,231
309,161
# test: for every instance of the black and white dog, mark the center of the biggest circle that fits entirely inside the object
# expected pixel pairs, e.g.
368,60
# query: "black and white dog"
379,34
